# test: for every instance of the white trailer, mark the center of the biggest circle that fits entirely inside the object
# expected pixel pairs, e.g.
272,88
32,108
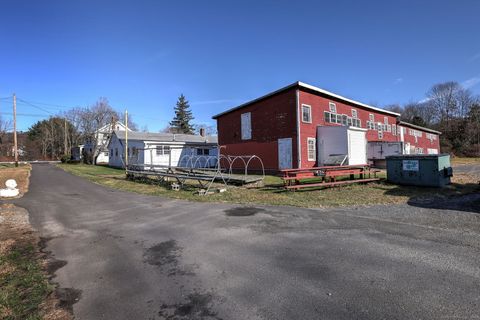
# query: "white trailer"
378,150
341,140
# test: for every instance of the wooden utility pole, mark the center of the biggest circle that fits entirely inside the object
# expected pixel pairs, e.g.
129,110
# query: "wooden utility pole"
65,137
15,147
126,140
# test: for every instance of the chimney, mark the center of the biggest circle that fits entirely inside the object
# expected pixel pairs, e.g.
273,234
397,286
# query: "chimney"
202,132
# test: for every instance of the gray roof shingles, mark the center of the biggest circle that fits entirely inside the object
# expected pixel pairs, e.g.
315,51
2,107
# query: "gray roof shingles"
166,137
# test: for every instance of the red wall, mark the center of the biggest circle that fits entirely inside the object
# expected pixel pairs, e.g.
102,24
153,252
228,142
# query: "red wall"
320,104
422,142
271,119
275,117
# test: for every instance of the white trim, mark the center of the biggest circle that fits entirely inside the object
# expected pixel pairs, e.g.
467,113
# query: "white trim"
345,99
356,113
406,124
310,113
299,145
332,107
314,149
313,88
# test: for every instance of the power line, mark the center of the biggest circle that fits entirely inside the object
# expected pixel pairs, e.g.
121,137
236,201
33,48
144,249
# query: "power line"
57,106
24,114
35,106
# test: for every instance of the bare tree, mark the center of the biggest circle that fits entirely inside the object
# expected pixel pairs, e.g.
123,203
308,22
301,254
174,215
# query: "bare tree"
394,108
96,124
5,127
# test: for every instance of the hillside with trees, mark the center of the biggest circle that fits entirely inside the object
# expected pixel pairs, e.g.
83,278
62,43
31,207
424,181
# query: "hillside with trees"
451,109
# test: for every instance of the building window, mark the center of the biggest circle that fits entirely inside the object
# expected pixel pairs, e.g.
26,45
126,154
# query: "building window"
162,150
385,120
354,114
203,152
134,151
246,126
327,116
306,113
333,107
394,129
344,120
371,117
311,148
380,135
116,152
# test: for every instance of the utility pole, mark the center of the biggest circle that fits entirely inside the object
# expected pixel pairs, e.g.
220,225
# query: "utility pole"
65,137
15,148
126,141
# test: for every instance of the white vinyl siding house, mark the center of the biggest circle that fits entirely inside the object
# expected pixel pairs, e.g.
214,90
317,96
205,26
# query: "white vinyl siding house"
162,149
103,138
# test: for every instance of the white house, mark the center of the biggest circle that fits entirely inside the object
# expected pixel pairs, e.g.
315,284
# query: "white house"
103,138
164,149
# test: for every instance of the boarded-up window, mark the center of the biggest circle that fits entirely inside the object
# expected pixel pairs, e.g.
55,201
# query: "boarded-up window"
312,155
246,123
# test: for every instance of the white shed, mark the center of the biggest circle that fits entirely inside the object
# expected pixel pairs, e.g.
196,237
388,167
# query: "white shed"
162,149
342,140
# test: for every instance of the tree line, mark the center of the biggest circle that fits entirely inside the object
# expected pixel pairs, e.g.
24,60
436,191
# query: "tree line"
451,109
54,137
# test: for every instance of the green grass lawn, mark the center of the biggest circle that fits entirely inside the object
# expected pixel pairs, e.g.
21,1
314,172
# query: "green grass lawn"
273,193
23,283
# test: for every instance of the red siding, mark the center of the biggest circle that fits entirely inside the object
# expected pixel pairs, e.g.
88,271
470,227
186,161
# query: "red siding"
421,142
320,104
275,117
272,118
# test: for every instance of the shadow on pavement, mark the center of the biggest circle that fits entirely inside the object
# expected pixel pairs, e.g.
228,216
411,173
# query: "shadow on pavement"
460,197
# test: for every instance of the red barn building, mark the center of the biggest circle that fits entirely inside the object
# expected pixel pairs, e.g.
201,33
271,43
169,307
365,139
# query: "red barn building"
282,127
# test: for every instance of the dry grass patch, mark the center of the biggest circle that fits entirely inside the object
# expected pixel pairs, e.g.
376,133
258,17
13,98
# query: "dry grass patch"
21,174
459,161
25,292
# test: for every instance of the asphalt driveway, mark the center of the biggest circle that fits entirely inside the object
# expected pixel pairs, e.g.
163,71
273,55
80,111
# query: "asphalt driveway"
128,256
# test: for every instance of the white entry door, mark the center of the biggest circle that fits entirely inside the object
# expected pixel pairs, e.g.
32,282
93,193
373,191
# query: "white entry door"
357,147
285,153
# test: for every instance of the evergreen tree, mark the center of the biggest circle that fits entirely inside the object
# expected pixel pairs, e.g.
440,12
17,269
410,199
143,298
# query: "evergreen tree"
183,116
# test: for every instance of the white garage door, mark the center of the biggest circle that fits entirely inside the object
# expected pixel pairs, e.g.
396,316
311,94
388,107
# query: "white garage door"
357,147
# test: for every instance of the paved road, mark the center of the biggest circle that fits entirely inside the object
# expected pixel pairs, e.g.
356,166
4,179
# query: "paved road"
130,256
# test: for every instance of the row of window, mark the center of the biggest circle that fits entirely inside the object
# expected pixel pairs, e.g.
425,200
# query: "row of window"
342,119
159,151
431,136
333,117
415,133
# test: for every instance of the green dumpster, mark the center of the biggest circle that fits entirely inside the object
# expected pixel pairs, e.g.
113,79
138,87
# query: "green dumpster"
431,170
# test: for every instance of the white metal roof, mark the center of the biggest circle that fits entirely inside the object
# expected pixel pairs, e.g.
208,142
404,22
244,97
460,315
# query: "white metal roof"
406,124
166,137
313,88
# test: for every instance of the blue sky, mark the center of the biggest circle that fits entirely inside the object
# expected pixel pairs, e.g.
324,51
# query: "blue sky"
142,55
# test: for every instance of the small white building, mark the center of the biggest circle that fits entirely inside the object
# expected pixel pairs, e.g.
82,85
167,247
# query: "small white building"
162,149
102,137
